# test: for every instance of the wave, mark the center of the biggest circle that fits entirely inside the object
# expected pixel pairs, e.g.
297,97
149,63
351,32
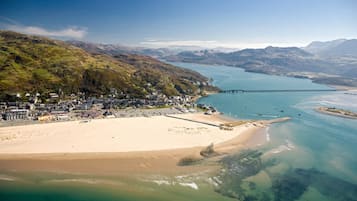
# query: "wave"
161,182
332,100
91,181
7,178
288,146
264,115
192,185
267,134
87,181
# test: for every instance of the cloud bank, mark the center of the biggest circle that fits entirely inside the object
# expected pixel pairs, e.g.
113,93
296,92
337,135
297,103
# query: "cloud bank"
214,44
179,42
72,32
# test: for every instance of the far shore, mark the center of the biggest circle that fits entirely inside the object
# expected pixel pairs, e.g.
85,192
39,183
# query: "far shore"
138,144
342,87
337,112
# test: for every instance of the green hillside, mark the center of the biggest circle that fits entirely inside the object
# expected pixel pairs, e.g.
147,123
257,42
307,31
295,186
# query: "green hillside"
30,64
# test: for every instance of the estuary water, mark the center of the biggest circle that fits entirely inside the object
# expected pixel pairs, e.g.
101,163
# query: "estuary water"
311,157
311,146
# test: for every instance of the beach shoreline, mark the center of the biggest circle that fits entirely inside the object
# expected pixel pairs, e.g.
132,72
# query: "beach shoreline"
116,134
113,160
337,112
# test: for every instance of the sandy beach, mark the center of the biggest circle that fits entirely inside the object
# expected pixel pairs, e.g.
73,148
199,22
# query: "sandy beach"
120,145
116,135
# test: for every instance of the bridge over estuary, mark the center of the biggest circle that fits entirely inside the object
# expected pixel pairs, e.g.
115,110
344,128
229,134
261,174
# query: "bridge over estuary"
275,90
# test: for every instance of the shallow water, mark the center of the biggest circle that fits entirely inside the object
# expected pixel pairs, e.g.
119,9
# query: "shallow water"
308,140
42,186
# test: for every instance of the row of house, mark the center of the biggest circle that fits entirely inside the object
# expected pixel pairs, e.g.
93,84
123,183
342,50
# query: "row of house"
15,114
76,107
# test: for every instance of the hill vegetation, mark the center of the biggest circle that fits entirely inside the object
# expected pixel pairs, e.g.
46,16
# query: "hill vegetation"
32,64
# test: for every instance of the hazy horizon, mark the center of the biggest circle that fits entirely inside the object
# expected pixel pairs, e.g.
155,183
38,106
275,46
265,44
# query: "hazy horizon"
208,24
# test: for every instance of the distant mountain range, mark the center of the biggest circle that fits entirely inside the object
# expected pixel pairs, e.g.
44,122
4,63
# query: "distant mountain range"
333,63
30,64
335,48
38,64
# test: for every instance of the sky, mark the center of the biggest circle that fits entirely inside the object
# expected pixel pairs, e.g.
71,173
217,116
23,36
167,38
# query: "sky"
164,23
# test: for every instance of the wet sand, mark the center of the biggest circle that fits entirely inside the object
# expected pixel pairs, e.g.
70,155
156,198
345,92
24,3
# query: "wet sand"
163,161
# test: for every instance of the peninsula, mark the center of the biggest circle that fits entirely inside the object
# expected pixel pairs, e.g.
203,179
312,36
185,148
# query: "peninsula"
338,112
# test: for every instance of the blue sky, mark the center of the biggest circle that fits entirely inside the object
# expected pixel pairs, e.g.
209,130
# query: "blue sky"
209,23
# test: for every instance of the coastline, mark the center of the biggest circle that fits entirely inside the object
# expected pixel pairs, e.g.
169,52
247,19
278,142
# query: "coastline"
121,113
338,87
342,87
338,113
118,113
163,159
116,134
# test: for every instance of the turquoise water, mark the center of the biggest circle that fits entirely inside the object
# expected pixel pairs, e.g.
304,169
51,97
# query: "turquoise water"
310,140
51,186
311,157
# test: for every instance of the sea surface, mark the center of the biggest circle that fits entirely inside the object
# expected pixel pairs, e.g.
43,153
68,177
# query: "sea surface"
311,157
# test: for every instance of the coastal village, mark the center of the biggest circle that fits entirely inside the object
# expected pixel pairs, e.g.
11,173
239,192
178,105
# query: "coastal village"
30,107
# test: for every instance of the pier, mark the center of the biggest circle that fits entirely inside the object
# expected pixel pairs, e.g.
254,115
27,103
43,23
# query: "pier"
275,90
191,120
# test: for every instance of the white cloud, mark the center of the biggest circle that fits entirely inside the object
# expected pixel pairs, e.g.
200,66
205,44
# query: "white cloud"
214,44
179,42
72,32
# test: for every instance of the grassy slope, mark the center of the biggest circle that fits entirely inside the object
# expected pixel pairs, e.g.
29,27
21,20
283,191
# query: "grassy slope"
37,64
163,76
